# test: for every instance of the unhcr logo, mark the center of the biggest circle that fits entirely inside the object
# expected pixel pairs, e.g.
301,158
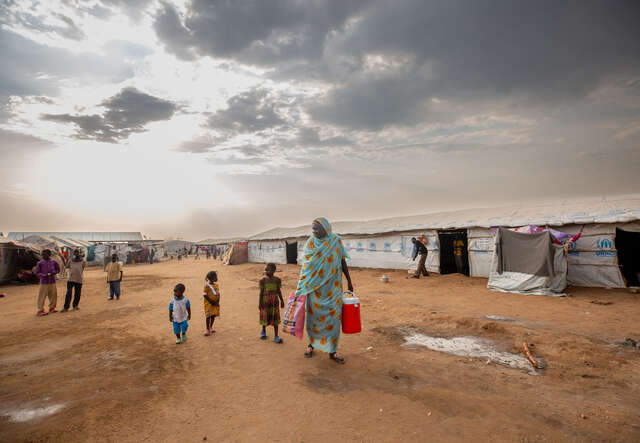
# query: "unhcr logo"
573,249
605,247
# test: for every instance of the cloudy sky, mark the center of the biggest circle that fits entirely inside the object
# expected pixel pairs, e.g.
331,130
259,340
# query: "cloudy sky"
213,118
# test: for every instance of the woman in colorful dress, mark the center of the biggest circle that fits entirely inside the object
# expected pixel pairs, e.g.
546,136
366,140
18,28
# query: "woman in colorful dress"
323,262
269,302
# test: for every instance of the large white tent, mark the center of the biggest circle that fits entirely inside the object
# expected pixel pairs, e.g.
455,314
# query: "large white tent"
386,243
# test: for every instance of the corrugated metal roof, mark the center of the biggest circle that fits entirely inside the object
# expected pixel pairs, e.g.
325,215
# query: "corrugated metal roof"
579,211
85,236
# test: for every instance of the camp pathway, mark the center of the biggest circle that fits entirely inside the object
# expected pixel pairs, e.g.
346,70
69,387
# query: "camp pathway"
112,372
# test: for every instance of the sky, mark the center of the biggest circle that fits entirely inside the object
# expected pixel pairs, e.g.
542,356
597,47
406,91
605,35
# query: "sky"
205,118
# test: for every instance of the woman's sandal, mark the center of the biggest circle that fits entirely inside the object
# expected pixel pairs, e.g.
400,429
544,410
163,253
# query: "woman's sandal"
309,352
338,360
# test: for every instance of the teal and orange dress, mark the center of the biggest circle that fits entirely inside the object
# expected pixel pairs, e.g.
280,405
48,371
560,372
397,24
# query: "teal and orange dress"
321,281
270,301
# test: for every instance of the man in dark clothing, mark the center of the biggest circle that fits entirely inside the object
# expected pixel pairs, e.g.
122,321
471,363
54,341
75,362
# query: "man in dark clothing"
421,250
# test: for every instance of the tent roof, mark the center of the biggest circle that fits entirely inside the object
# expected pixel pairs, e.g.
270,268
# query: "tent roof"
12,244
85,236
220,241
619,209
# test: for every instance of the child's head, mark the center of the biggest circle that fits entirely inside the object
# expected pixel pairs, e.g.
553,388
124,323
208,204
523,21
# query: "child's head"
46,254
212,276
178,291
270,269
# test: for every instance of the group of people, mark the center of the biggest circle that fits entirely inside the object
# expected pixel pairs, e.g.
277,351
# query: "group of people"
320,281
47,269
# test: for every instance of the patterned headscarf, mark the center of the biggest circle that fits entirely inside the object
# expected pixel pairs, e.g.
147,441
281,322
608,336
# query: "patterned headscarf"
321,259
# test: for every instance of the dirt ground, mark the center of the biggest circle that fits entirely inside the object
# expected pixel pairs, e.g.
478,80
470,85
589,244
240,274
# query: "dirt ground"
112,372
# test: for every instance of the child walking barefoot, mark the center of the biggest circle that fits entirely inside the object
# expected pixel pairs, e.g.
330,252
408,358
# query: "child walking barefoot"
268,302
211,294
180,313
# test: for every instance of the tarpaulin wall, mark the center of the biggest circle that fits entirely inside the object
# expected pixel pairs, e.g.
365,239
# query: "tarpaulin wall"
387,251
522,283
480,244
391,251
593,259
268,252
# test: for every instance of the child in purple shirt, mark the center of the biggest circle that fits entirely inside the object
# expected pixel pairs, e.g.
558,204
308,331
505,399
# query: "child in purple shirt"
46,270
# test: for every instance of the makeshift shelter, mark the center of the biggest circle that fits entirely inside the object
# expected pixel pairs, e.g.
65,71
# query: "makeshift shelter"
15,257
528,263
172,247
236,254
592,261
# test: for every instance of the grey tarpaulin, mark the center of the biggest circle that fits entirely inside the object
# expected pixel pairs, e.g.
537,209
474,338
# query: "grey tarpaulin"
525,253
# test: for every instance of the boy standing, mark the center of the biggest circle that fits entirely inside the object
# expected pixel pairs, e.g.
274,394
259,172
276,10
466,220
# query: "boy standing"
180,313
74,283
114,277
46,270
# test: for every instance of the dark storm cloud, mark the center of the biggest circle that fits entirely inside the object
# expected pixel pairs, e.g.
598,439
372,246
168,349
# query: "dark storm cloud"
256,31
125,113
310,136
385,60
249,112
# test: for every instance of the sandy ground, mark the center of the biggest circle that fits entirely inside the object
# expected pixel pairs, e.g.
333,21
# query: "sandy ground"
112,372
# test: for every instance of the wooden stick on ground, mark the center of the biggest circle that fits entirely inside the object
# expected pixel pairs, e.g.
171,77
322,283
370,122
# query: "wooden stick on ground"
529,356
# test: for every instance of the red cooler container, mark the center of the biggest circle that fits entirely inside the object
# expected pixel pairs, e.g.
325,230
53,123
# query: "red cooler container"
350,314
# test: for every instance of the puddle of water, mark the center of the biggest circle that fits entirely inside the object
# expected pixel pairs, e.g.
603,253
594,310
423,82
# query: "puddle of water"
22,415
469,347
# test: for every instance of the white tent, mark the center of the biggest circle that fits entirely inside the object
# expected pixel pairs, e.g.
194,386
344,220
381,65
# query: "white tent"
386,243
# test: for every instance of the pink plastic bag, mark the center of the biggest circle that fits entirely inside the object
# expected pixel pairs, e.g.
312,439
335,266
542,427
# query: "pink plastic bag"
293,321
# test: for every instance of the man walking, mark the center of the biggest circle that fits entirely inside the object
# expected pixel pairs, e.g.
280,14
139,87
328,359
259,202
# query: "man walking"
152,253
421,250
114,277
74,283
46,270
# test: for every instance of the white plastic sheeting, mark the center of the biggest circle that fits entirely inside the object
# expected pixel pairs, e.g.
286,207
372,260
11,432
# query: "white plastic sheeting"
593,258
521,283
376,252
480,245
390,251
268,252
617,209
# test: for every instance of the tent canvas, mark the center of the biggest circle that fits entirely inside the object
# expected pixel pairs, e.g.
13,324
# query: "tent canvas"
237,254
15,256
528,264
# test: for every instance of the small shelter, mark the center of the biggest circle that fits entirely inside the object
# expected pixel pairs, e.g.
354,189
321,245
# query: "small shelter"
236,254
528,263
16,257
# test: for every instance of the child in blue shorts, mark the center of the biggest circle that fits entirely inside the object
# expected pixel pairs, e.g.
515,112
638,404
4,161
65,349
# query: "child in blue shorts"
180,313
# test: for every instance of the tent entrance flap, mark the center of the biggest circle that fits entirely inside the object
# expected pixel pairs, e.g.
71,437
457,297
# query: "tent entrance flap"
454,253
627,245
292,253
